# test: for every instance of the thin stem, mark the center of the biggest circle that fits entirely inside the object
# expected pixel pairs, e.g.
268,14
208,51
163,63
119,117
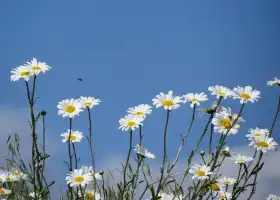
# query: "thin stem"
164,153
44,140
103,187
70,157
183,140
75,155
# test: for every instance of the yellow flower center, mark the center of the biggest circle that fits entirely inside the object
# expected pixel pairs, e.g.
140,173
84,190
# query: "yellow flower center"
227,182
73,137
90,195
226,123
131,123
245,96
79,179
8,179
88,104
37,68
167,103
215,187
194,100
221,93
257,134
16,173
2,191
262,144
222,196
139,113
70,109
24,73
200,173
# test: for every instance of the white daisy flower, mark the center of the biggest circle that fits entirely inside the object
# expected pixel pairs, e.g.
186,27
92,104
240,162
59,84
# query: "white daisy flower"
78,178
264,144
239,159
195,99
16,175
228,114
141,110
217,186
227,181
168,101
256,133
224,120
69,108
144,152
220,91
89,170
37,67
224,195
130,122
4,191
200,172
273,197
21,72
76,136
89,102
90,195
246,94
276,82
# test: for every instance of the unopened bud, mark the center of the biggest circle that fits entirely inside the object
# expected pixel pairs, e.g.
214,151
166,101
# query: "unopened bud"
202,153
101,172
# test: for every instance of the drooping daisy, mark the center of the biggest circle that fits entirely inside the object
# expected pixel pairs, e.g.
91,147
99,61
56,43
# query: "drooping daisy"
273,197
141,110
4,191
239,159
246,94
229,114
130,122
217,186
69,108
220,91
89,102
264,144
200,172
225,151
224,195
37,67
256,133
89,170
276,82
76,136
168,101
90,195
195,99
225,122
144,152
21,72
227,181
78,178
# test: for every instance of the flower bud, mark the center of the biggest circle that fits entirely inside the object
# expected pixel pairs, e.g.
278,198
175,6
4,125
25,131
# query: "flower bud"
101,172
202,153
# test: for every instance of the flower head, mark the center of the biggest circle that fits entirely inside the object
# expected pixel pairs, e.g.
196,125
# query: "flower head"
21,72
220,91
165,196
78,178
143,152
141,110
76,136
90,195
168,101
225,151
217,186
16,175
264,144
130,122
273,197
37,67
227,181
224,195
69,108
226,122
256,133
89,102
239,159
4,191
200,172
246,94
276,82
195,99
89,170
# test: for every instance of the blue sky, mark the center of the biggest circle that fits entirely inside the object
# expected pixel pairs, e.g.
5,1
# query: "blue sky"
129,51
